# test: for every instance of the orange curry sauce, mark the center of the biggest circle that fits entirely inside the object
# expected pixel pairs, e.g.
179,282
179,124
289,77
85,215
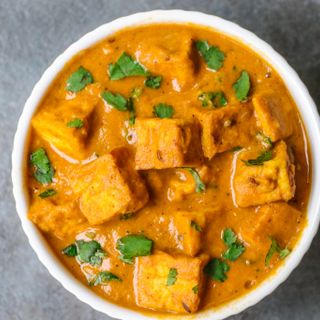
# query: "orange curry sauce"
257,202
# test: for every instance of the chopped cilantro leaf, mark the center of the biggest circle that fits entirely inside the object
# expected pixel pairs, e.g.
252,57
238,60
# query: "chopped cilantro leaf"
242,86
90,251
284,253
47,193
263,157
229,237
134,245
272,250
216,269
172,277
116,100
200,186
71,250
103,278
120,103
126,67
235,248
136,92
163,110
79,79
43,170
132,112
236,148
90,235
213,99
126,216
213,56
195,289
75,123
195,226
153,82
234,252
275,248
266,141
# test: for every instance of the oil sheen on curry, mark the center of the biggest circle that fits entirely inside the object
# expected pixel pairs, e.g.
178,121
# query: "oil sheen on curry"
168,168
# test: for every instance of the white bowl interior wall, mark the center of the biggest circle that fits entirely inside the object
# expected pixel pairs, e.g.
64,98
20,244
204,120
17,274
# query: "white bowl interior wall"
295,86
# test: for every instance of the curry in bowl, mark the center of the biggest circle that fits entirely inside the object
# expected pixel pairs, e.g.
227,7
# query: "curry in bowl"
168,168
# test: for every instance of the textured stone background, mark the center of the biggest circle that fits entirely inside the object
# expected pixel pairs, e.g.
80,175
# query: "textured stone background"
32,34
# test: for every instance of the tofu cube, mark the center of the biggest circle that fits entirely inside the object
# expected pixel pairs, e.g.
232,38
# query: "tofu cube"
151,288
60,221
273,114
186,228
271,181
109,186
276,220
50,123
223,128
166,143
168,57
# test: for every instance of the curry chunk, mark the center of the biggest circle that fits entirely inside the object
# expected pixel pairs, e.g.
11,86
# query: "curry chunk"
171,58
66,125
270,181
109,186
58,220
276,220
166,143
186,228
166,283
223,128
273,114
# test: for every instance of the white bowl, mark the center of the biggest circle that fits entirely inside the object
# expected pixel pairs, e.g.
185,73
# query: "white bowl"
298,91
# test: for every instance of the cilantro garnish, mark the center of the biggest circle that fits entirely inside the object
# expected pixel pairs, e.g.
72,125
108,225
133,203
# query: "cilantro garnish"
235,248
71,250
200,186
216,269
266,141
43,169
153,82
75,123
275,248
103,278
47,193
242,86
213,99
134,245
126,67
163,110
195,226
213,56
79,79
172,277
263,157
86,251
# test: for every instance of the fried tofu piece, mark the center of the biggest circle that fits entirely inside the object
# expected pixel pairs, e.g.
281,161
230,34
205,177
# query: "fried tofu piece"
222,129
166,143
57,220
171,58
271,181
276,220
273,114
151,288
186,228
51,124
109,186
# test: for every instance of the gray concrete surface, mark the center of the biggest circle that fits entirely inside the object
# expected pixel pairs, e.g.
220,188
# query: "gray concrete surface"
32,34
